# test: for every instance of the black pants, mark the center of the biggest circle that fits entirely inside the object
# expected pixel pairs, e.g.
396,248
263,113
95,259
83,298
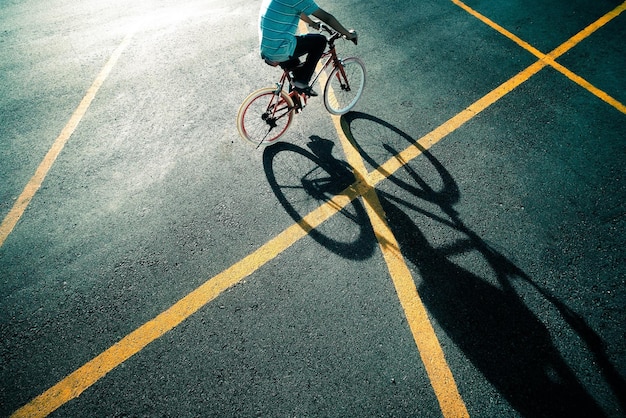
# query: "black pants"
312,44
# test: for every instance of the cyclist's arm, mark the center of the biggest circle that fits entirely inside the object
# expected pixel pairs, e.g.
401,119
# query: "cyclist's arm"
309,21
330,20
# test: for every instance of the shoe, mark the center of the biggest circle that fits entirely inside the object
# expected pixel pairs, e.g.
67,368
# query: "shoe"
303,88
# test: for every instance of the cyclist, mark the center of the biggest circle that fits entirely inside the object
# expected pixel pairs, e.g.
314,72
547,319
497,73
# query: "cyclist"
279,45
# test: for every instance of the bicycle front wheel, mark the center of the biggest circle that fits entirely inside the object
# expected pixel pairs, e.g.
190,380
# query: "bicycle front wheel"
264,116
344,86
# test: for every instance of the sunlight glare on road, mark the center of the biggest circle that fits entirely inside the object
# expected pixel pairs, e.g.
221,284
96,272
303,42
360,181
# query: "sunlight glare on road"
170,17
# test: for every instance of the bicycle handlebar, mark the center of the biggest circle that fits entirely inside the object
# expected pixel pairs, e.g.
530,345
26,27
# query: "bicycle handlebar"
334,35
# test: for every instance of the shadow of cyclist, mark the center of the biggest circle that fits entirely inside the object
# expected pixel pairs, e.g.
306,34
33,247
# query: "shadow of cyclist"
490,323
302,180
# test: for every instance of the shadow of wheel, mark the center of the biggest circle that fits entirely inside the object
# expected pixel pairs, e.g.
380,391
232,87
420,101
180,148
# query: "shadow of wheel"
302,180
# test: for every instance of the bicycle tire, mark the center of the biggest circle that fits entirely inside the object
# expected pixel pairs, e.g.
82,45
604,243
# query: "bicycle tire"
264,116
344,86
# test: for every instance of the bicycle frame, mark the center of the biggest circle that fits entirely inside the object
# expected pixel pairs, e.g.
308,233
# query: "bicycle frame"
332,59
299,100
277,105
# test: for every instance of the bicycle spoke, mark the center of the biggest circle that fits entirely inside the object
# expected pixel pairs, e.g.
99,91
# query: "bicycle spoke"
264,116
344,86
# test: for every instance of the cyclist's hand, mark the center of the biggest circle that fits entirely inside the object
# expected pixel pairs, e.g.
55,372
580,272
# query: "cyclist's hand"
315,25
352,36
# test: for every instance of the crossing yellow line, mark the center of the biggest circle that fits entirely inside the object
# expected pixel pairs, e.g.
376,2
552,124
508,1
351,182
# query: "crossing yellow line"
500,29
393,164
428,346
562,49
81,379
430,350
580,36
33,185
588,86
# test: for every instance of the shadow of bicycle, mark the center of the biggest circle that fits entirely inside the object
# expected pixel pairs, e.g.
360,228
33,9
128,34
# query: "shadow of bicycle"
302,180
483,311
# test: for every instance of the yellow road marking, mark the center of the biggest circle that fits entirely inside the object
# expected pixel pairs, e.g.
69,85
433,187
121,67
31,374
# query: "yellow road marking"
75,383
393,164
574,40
550,58
428,346
24,199
500,29
591,88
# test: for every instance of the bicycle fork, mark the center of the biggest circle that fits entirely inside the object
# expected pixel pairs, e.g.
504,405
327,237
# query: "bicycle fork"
341,75
276,109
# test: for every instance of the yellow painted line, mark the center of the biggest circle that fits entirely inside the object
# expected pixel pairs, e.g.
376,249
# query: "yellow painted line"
500,29
81,379
580,36
428,346
24,199
77,382
573,41
590,87
439,373
393,164
431,353
550,58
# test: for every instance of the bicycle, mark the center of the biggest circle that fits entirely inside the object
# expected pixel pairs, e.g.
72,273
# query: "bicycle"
265,114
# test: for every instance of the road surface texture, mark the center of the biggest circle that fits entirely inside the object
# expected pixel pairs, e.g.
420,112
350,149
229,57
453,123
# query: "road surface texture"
452,247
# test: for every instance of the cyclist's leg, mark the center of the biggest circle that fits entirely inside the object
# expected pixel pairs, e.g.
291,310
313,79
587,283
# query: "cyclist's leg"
312,44
290,64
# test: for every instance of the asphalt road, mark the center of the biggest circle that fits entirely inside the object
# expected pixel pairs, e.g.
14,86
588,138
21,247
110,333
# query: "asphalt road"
453,247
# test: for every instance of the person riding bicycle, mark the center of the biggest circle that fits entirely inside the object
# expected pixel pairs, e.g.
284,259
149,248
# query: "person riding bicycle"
279,44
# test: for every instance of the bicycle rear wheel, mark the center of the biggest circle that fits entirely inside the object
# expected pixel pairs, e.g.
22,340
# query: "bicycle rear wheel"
344,86
264,116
